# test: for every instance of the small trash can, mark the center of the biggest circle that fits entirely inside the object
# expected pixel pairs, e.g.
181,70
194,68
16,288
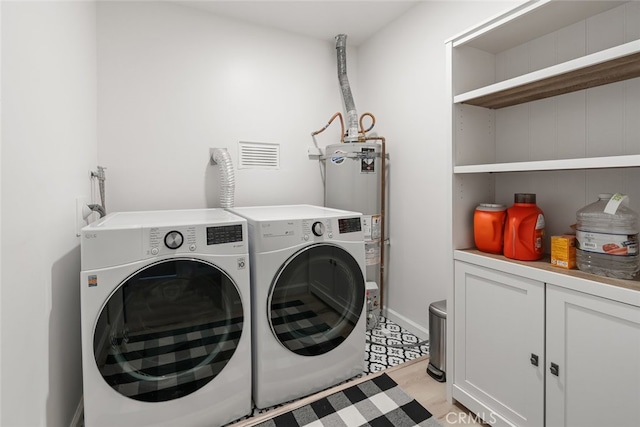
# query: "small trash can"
437,340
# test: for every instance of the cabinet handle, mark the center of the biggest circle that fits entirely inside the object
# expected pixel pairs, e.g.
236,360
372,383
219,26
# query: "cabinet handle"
554,369
534,359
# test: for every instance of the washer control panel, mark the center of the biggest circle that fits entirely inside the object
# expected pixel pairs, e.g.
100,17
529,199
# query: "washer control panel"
191,239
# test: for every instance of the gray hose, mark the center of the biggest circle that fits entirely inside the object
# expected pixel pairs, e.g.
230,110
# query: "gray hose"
222,158
98,208
101,176
350,106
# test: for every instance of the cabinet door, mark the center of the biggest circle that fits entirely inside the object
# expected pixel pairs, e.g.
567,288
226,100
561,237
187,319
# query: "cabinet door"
498,335
595,343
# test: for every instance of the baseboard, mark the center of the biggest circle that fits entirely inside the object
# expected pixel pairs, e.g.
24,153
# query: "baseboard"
418,330
78,417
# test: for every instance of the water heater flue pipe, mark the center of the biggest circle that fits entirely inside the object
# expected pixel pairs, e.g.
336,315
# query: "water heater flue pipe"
222,158
350,106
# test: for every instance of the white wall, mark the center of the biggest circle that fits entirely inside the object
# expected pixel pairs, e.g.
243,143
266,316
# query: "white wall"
172,82
1,98
48,148
175,81
402,79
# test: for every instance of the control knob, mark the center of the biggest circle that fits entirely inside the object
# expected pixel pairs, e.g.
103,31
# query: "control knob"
173,239
317,228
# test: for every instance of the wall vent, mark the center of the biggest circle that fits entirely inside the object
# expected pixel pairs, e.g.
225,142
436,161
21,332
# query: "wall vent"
259,155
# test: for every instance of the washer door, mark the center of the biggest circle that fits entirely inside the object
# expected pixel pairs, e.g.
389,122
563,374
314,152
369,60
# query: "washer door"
168,330
316,299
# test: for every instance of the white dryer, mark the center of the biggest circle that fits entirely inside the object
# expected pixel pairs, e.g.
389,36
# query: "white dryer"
166,315
308,294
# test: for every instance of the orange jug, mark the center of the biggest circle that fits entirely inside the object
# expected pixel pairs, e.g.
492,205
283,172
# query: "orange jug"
524,229
488,226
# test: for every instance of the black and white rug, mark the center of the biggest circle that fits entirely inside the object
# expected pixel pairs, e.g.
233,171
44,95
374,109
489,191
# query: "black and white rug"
390,345
376,402
379,353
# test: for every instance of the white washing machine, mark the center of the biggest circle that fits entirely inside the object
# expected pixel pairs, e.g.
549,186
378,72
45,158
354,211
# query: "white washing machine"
308,299
166,329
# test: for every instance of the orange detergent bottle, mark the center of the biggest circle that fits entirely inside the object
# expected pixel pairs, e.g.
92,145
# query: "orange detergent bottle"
488,227
524,229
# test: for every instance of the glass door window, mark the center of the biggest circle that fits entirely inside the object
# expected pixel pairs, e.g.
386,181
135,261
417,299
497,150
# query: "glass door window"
316,299
168,330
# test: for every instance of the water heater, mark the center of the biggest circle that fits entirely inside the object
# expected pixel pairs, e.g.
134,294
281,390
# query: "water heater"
353,182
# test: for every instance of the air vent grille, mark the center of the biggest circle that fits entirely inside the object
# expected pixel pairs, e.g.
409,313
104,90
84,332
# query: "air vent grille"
259,155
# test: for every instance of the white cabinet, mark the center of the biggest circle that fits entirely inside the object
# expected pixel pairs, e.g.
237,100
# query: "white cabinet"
545,99
499,345
532,354
595,344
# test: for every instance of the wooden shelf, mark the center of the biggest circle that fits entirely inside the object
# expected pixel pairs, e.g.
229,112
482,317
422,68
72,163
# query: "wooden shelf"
608,66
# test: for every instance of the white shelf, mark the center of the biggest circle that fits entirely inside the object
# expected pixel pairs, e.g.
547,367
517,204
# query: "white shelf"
549,165
528,21
604,67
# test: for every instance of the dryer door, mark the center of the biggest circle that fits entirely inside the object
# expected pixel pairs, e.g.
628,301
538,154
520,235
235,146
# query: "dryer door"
316,299
168,330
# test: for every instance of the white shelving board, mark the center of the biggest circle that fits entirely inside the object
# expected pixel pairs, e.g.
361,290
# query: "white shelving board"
529,21
560,164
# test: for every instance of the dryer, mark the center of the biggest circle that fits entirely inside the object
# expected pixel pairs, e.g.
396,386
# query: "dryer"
166,329
308,299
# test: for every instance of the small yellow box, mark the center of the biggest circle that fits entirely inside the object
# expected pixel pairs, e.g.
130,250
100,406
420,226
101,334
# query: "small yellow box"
563,251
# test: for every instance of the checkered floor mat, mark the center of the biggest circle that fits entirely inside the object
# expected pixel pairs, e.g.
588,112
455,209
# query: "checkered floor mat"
377,402
378,357
160,366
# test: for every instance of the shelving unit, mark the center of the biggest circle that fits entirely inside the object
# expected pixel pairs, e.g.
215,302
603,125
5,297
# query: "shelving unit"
545,99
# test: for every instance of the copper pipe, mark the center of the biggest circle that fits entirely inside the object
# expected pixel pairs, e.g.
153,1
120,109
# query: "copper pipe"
383,201
338,114
363,132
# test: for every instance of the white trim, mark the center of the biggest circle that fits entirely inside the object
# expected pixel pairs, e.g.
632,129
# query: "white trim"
404,322
0,212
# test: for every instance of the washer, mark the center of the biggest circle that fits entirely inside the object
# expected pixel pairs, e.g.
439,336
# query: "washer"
166,319
308,293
